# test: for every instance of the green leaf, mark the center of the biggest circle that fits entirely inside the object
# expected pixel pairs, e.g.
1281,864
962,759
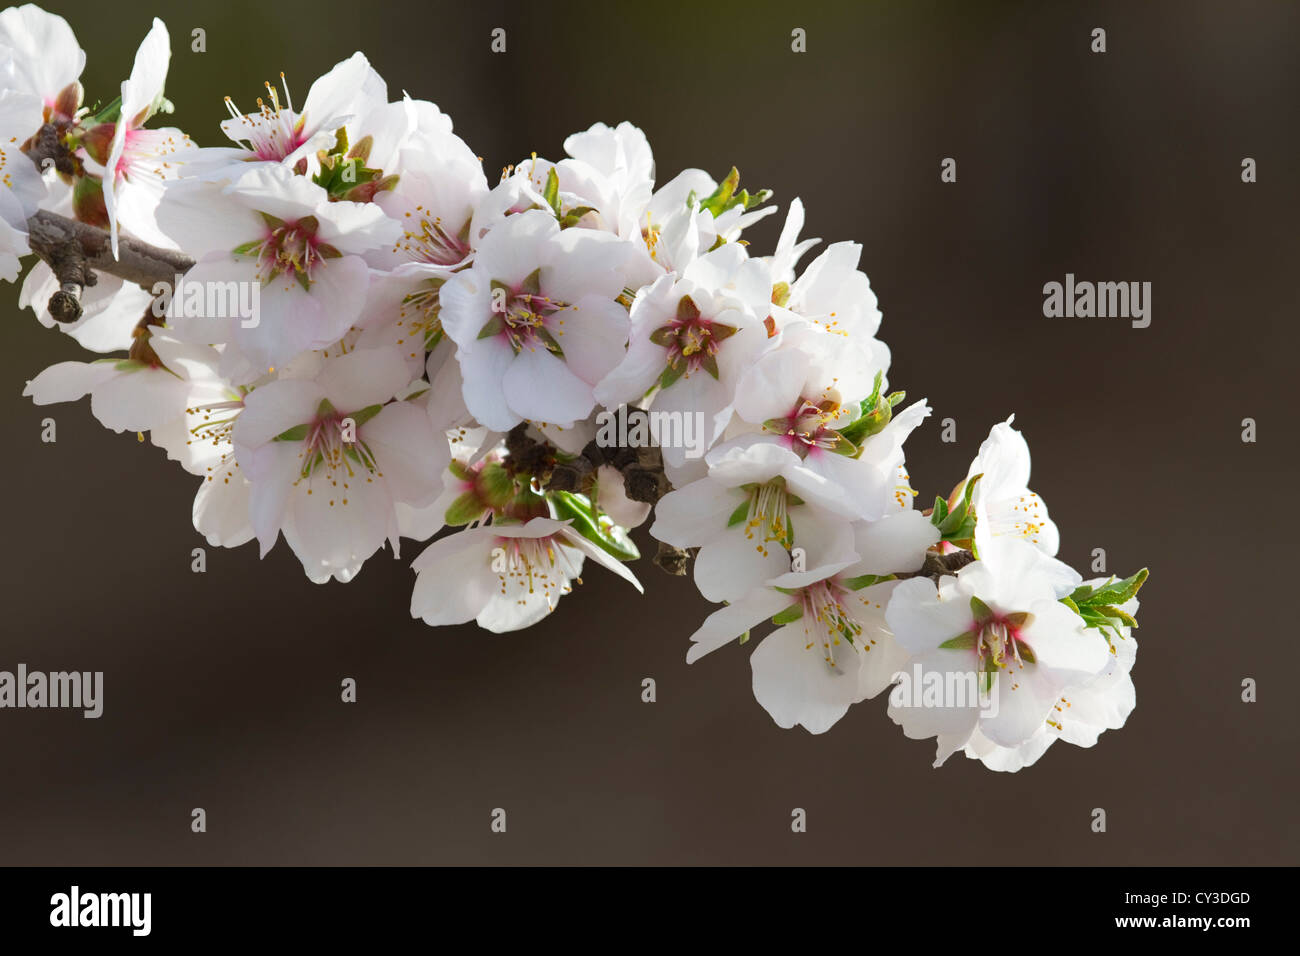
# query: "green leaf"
1115,612
1026,652
1120,591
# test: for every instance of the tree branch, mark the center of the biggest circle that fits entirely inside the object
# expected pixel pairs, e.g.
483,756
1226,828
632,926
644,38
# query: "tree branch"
76,251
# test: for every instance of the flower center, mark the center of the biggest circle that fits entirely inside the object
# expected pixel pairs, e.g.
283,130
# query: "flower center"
825,619
420,315
522,315
291,249
534,565
331,452
810,426
768,515
432,242
692,342
274,131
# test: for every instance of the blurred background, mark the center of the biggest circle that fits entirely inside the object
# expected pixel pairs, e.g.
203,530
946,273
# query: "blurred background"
222,689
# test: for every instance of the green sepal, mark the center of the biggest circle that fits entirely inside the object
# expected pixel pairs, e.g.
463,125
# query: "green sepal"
551,192
466,508
367,413
788,616
962,642
739,515
671,374
296,433
493,326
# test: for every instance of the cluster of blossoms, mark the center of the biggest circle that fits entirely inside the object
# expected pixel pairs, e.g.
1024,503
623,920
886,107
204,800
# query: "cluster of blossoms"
371,342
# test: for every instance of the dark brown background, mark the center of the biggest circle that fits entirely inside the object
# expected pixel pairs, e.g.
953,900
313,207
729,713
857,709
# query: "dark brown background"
223,689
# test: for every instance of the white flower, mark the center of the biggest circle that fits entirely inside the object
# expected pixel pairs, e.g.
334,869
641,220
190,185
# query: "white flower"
128,394
751,508
504,576
330,456
694,335
141,159
793,393
613,171
1082,713
1004,505
277,133
998,639
832,648
277,234
535,320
